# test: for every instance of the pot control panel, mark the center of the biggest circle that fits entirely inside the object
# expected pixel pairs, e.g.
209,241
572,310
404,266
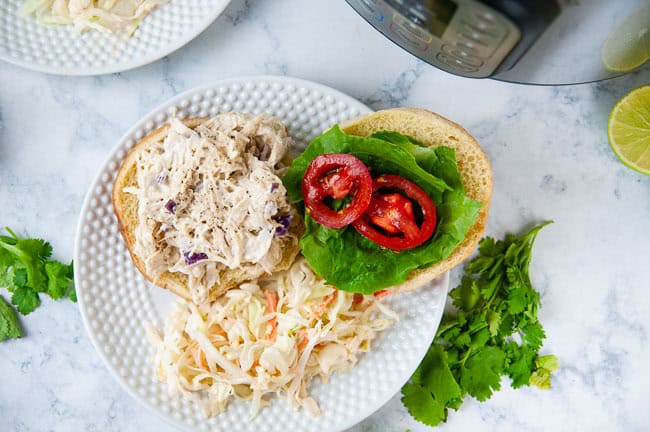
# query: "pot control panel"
464,37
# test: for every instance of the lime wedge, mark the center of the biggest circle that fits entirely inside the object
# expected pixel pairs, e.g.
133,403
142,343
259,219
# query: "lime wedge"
628,46
628,129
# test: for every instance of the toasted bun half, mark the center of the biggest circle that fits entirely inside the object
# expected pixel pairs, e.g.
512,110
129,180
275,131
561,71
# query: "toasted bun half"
125,206
474,166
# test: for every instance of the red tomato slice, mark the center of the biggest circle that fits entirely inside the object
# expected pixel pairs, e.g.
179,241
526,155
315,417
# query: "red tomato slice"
390,221
336,176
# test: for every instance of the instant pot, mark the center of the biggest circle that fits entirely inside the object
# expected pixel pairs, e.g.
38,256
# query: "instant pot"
526,41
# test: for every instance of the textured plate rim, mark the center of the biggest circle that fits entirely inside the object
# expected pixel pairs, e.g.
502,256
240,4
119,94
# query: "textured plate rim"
444,278
444,284
125,66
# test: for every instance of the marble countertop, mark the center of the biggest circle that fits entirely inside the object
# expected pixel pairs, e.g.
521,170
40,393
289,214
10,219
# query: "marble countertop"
551,160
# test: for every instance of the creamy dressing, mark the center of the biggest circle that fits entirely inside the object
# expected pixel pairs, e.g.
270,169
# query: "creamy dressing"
211,199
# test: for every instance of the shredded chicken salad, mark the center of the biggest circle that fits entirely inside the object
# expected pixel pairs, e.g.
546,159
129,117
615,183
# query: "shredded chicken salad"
103,15
270,336
210,198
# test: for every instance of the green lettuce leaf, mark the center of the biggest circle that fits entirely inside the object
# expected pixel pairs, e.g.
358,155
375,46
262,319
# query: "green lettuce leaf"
351,262
379,155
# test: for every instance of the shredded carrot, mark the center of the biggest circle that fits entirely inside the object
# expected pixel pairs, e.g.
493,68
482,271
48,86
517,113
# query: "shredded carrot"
357,298
216,329
303,338
318,310
272,307
199,357
382,293
274,330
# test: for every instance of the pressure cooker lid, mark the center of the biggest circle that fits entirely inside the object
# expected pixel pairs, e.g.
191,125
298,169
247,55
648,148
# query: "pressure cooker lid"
569,51
524,41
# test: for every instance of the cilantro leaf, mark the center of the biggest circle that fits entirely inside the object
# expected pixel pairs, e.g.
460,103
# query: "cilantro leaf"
25,299
507,326
490,285
31,253
517,301
519,361
422,406
494,322
435,376
481,374
463,340
514,276
37,248
19,279
467,294
7,277
9,327
533,335
59,278
488,247
72,295
6,260
480,264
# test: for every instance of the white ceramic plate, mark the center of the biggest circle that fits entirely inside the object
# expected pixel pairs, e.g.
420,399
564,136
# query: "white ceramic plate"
64,51
115,300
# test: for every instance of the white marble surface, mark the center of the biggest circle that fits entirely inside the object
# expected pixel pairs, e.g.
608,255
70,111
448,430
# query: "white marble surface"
551,160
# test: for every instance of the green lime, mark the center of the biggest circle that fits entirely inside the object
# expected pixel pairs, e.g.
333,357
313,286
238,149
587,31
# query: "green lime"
628,129
628,46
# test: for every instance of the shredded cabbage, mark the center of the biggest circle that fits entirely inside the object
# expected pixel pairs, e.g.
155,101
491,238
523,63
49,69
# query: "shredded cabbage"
238,347
102,15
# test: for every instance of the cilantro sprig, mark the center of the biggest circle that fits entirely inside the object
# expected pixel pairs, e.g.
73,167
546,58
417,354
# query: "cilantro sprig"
494,332
9,327
27,270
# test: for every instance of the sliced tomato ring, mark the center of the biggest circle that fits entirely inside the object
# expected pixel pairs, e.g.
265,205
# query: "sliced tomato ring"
390,219
336,176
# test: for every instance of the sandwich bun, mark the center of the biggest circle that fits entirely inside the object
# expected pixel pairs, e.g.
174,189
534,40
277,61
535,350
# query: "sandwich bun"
425,126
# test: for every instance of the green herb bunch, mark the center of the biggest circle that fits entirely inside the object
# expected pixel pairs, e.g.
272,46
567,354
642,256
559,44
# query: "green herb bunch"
27,271
494,332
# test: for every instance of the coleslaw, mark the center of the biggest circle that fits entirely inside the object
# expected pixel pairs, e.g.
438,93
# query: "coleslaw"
102,15
269,336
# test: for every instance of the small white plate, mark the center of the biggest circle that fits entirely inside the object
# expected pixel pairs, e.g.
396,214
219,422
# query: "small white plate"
115,300
62,50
